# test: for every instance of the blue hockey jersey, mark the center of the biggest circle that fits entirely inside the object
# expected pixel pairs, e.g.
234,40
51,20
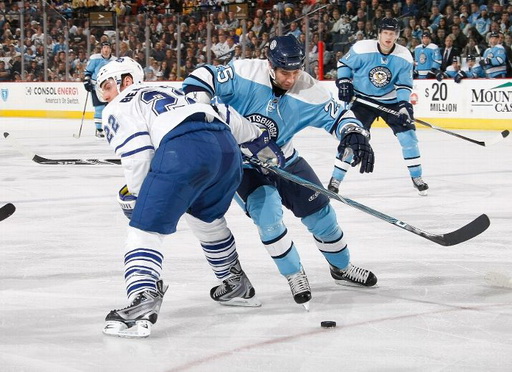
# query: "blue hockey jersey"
385,78
497,58
307,104
427,58
96,62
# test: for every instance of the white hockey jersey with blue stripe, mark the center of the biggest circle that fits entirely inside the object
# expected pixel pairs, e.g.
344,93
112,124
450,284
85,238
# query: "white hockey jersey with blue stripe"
385,78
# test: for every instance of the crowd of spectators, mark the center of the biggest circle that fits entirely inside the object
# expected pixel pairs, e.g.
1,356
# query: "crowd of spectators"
337,23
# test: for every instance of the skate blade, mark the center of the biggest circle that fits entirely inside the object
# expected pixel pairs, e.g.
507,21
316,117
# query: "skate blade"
141,329
306,306
348,283
243,302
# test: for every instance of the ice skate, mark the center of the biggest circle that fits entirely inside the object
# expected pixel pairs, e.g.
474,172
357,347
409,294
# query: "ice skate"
135,321
99,133
299,285
235,290
353,275
420,185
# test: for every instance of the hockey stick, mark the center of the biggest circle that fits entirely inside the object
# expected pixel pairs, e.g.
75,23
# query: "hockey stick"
42,160
6,211
498,279
83,115
466,232
498,138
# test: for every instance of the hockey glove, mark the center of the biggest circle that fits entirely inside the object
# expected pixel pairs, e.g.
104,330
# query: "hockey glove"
484,62
264,149
357,140
432,73
440,76
88,84
345,90
127,201
415,74
460,75
405,113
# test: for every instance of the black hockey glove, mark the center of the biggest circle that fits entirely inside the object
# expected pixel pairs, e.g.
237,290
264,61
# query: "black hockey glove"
345,90
88,84
432,73
264,149
440,76
405,113
484,62
460,75
127,201
357,139
415,74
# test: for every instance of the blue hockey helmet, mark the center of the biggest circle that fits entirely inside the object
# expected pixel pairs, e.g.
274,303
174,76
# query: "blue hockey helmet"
285,52
390,24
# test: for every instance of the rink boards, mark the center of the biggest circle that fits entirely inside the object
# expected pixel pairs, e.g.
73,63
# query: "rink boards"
483,104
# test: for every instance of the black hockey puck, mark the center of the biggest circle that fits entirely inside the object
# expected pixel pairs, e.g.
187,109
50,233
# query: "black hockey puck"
328,324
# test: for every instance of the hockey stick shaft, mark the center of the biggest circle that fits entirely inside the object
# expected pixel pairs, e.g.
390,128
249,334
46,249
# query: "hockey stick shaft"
45,161
472,229
83,116
382,108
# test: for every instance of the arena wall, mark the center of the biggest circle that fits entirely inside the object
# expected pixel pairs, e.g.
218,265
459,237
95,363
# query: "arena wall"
473,104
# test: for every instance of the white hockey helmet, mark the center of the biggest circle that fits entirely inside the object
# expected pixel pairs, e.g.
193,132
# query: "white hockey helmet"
115,70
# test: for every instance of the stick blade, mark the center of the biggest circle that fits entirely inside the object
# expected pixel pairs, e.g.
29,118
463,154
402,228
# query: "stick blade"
467,232
6,211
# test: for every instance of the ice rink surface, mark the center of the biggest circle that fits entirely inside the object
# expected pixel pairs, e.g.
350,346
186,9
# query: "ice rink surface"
61,268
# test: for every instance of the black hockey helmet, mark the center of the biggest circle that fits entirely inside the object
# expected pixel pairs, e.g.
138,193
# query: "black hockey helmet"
285,52
390,24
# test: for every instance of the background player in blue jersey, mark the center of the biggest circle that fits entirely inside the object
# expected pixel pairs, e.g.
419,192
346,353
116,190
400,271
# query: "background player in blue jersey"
179,158
427,58
472,70
494,60
96,62
279,95
381,71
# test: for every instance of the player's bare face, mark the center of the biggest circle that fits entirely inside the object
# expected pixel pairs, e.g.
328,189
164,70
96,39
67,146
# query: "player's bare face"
387,39
109,90
285,79
106,51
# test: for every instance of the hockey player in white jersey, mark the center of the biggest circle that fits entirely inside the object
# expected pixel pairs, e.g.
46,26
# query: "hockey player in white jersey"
380,71
280,95
179,158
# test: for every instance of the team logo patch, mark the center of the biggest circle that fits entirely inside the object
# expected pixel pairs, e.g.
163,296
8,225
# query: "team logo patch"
5,94
380,76
268,123
423,58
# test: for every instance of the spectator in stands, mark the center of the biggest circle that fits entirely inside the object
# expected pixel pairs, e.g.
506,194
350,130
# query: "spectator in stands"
483,22
5,74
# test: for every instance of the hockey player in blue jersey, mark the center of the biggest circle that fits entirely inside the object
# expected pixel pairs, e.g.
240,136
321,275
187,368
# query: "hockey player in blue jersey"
427,58
96,62
279,95
472,71
381,71
494,60
179,158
